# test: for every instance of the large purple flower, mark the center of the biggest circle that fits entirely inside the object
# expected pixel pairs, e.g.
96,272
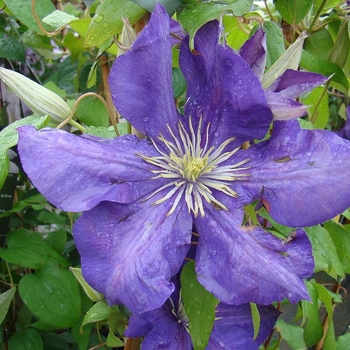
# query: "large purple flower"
167,326
141,199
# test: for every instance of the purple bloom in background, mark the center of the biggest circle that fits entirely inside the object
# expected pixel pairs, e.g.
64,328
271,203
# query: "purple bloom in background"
141,199
281,94
167,326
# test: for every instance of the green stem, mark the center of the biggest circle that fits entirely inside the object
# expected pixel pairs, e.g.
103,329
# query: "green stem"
77,125
317,15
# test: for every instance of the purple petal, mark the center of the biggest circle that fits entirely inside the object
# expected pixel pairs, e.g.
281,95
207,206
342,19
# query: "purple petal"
75,173
292,83
233,328
177,33
253,51
284,108
302,175
222,89
140,80
161,330
246,264
129,252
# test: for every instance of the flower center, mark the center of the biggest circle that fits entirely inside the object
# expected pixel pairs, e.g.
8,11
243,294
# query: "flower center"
194,170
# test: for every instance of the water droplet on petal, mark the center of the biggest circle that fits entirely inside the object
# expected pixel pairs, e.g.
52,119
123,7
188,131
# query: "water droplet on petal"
229,63
145,119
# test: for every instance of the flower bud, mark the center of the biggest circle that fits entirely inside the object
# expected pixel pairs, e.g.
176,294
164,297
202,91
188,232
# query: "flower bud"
340,51
127,37
39,99
89,291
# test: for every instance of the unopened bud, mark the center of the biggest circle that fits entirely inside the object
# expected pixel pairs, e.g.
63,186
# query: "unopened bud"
340,51
288,60
89,291
39,99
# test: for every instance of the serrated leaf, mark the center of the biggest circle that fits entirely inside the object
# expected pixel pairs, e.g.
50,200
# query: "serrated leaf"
23,11
5,302
58,19
293,11
199,305
29,249
194,16
98,312
9,138
108,20
53,295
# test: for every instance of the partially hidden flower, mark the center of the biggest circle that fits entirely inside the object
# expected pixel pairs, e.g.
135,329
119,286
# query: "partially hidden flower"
168,326
286,87
141,199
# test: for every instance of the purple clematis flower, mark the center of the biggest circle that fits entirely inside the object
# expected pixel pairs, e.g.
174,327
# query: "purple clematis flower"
167,326
141,199
281,94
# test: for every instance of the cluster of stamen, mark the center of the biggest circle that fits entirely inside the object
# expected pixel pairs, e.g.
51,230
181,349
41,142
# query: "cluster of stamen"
194,170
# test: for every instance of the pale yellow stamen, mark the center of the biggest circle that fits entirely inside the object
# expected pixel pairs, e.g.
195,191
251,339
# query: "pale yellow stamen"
194,172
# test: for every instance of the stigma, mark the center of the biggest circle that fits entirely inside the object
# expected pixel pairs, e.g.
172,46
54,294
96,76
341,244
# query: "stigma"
194,169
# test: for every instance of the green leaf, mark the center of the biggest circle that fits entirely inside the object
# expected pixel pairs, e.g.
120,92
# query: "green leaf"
9,138
274,42
169,5
104,132
319,43
179,82
58,19
37,202
325,253
293,11
108,20
98,312
117,321
318,99
28,339
313,330
199,305
293,335
312,63
92,112
256,319
343,342
325,297
194,16
89,291
341,237
12,49
235,36
5,302
53,295
23,11
29,249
